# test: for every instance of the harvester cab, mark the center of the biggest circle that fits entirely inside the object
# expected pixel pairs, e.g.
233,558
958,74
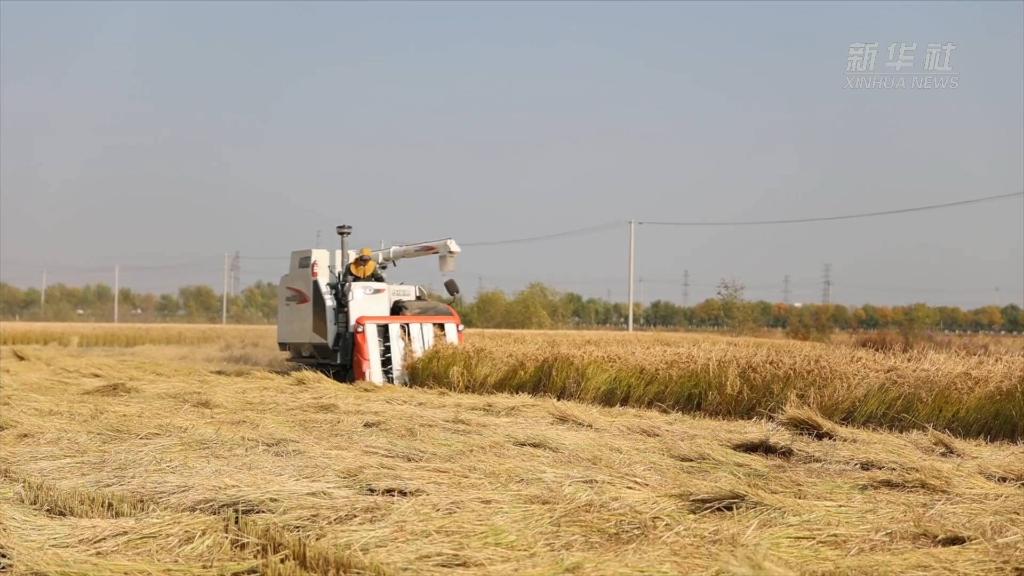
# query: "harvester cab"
362,330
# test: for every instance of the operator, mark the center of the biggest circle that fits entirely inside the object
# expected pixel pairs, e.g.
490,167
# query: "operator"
363,269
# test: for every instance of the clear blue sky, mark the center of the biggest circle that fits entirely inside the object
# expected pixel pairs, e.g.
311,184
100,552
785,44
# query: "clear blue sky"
156,134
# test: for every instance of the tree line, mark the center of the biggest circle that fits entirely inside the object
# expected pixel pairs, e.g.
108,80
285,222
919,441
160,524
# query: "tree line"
256,304
537,306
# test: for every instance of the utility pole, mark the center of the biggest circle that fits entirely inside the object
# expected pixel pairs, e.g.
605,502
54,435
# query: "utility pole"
117,288
42,294
826,285
632,254
317,245
479,285
224,295
686,288
785,289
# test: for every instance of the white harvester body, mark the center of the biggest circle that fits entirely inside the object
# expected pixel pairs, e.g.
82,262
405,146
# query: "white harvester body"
362,330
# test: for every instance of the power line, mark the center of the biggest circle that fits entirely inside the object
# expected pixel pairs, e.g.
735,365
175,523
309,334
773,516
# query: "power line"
567,233
861,215
197,263
586,230
832,218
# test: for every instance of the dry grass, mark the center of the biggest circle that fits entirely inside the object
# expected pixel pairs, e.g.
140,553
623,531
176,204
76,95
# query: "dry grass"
57,501
211,459
282,552
968,395
128,335
809,422
976,344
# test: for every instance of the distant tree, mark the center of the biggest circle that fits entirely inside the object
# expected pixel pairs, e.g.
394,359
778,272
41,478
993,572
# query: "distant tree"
593,312
127,299
913,322
730,290
664,314
200,303
840,317
168,306
104,294
572,306
11,301
916,318
810,322
735,313
951,318
1013,318
868,317
779,316
487,311
526,313
145,304
709,313
760,313
257,304
987,318
30,303
537,295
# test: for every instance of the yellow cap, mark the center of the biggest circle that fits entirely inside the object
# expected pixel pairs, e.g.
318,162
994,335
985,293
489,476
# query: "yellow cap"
366,252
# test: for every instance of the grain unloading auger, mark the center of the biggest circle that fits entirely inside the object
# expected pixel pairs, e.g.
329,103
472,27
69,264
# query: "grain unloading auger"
360,330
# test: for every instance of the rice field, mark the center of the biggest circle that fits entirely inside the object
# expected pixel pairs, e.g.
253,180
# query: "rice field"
130,335
969,395
199,451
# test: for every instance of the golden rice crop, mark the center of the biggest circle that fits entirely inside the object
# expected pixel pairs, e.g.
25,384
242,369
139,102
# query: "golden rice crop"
965,394
128,335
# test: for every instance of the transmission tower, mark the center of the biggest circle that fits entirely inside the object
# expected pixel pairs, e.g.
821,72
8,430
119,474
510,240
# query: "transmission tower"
236,274
686,288
826,285
785,289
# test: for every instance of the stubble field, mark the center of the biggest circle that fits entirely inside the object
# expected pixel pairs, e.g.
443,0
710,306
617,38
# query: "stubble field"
196,450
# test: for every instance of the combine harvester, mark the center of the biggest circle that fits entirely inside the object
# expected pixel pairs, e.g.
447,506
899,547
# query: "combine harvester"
360,330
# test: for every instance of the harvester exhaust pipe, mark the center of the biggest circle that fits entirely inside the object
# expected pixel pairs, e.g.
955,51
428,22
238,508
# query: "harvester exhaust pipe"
344,231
